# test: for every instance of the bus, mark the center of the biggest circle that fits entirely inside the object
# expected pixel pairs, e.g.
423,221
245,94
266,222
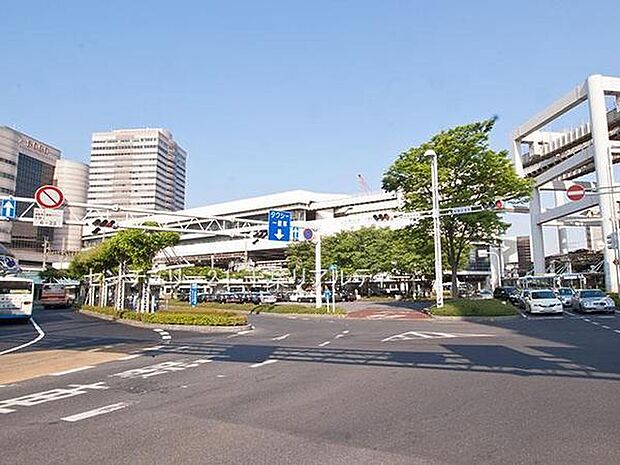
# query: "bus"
16,298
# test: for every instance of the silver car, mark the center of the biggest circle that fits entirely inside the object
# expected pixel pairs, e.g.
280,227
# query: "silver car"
565,294
592,300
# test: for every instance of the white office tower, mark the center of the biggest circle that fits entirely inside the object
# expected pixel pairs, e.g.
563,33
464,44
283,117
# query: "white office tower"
137,168
72,178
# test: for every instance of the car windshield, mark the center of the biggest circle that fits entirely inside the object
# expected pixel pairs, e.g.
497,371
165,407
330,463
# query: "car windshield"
593,293
543,295
565,291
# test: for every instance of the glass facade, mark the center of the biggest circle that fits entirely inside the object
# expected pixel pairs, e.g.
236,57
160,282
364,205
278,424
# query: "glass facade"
31,174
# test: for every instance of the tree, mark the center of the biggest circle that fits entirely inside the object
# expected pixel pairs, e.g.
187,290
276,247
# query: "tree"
470,173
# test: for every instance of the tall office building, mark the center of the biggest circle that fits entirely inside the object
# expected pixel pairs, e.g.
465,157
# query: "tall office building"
25,164
140,168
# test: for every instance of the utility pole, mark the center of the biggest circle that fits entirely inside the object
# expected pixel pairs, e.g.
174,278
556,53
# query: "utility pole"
46,245
317,272
436,228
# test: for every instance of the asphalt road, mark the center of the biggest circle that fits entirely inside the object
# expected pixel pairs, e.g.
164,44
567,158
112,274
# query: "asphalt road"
301,390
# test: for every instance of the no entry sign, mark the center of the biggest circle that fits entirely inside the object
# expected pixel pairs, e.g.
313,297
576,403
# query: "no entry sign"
576,192
49,197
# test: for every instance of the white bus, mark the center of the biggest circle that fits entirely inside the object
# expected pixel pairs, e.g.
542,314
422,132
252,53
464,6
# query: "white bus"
16,297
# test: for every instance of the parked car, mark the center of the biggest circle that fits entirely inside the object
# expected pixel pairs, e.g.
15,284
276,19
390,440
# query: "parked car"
484,294
542,301
565,294
504,292
592,300
230,298
302,297
516,299
263,297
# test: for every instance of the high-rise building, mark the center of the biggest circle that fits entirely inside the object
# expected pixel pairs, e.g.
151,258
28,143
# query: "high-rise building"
139,168
25,164
71,177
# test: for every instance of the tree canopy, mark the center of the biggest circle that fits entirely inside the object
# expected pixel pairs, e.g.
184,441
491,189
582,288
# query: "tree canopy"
136,248
470,173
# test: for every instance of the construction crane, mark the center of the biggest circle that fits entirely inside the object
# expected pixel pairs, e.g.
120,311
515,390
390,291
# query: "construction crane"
364,186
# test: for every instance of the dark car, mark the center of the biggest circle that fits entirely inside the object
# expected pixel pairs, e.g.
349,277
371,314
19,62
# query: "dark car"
504,292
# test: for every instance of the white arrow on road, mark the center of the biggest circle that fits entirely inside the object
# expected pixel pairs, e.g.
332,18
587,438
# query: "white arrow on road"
409,335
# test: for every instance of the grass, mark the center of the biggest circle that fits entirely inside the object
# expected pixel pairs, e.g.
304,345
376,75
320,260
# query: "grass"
467,307
176,306
204,318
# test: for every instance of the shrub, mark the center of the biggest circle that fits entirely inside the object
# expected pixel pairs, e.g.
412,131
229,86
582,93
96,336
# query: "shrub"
214,318
466,307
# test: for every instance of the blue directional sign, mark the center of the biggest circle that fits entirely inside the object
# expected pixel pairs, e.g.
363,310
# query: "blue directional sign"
279,226
8,208
193,294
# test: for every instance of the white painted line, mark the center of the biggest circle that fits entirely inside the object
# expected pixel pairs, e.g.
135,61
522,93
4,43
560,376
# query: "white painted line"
146,349
221,376
338,336
292,317
131,357
346,331
158,330
323,344
96,412
280,338
617,331
96,349
166,337
266,362
34,341
605,326
2,385
587,319
204,360
595,323
73,370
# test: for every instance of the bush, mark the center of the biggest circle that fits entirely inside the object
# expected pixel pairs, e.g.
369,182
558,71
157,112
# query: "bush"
466,307
214,318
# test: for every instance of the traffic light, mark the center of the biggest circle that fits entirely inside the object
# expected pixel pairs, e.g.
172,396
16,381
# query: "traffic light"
496,204
612,241
258,235
382,217
101,223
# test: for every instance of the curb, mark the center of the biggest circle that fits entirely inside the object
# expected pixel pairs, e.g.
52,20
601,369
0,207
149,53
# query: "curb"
193,328
472,318
303,315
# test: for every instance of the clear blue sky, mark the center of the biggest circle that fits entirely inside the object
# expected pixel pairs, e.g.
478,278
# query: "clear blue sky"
275,95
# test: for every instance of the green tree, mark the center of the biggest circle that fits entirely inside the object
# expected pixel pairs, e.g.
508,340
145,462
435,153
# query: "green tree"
470,173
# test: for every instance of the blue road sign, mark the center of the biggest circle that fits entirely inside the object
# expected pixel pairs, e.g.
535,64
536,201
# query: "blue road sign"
193,294
8,208
279,226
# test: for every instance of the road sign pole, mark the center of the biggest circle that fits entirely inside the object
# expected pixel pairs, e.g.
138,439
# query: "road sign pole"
317,271
436,229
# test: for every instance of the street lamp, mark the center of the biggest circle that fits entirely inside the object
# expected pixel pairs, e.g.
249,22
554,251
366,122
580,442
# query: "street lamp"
499,268
436,228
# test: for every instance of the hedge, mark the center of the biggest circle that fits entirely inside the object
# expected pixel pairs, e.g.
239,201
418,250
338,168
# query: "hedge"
467,307
215,318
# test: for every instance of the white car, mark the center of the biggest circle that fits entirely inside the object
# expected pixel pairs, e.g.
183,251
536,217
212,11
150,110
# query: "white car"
542,301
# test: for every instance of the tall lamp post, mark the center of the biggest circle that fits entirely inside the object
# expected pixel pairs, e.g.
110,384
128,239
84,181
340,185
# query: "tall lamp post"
436,228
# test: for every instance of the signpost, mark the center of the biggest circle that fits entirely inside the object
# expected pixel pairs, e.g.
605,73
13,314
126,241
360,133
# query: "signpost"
8,208
49,197
193,294
279,226
576,192
47,218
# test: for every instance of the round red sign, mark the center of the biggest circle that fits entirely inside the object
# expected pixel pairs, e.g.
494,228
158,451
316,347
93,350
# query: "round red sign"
576,192
49,197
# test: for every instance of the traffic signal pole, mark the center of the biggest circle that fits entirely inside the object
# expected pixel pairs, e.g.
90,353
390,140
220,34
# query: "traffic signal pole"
317,272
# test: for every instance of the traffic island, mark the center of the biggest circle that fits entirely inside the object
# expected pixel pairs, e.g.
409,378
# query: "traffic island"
471,308
203,321
247,308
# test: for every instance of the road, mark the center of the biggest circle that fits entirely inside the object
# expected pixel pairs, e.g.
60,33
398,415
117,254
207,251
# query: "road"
302,390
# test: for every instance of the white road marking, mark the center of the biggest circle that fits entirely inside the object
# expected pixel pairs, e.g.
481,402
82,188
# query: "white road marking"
617,331
409,335
606,327
221,376
587,319
73,370
131,357
280,338
95,412
346,331
166,337
146,349
34,341
323,344
292,317
338,336
240,333
595,323
266,362
48,396
159,330
204,360
157,369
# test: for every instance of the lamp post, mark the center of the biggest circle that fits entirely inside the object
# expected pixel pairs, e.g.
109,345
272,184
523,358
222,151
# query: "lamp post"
499,268
436,228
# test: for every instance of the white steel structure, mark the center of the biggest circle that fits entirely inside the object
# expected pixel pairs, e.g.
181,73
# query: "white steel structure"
137,168
556,159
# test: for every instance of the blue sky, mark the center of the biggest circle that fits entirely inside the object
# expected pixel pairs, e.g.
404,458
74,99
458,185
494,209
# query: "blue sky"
275,95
